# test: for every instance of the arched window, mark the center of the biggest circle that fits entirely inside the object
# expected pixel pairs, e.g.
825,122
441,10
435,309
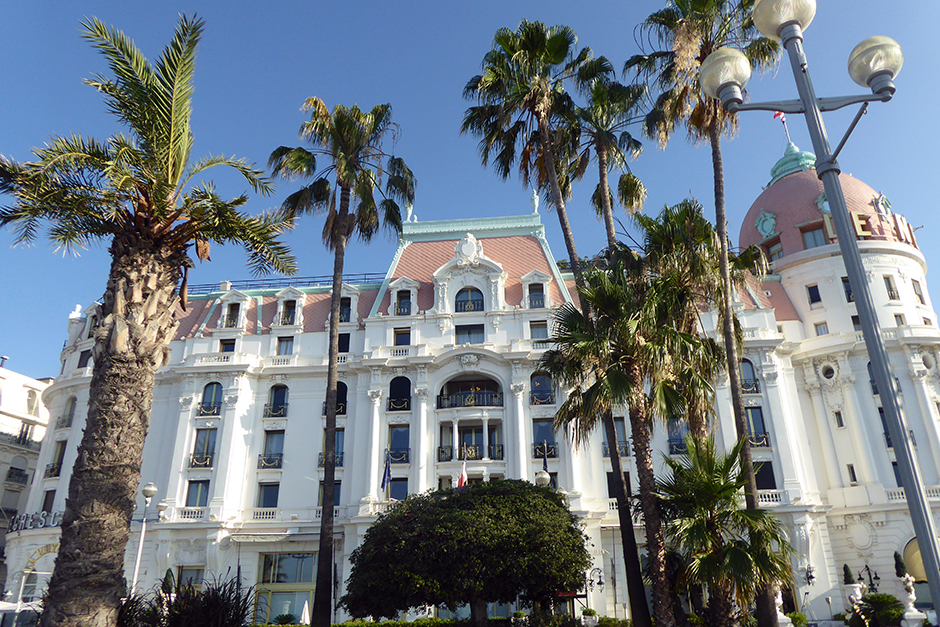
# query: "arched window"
68,413
399,394
17,474
473,390
341,392
469,299
541,390
32,403
749,382
211,400
277,402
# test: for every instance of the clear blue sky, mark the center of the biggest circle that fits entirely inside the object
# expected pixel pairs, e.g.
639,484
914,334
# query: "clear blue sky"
259,61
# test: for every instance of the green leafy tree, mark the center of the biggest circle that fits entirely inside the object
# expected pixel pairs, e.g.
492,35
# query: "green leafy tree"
134,191
490,542
522,94
730,550
684,33
352,141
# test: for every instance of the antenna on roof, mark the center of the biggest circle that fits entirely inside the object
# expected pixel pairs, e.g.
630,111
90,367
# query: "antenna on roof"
3,360
783,120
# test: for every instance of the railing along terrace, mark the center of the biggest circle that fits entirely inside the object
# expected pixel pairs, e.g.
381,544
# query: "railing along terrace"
312,281
496,451
481,398
20,440
275,410
445,453
544,449
622,447
201,460
270,460
338,456
399,404
469,451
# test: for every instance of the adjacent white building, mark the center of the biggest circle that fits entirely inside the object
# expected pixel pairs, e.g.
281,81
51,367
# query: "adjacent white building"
439,364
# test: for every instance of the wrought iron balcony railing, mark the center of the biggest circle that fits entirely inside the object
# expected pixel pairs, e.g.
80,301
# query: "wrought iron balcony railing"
622,447
403,308
344,314
17,439
201,460
53,470
536,301
321,459
893,295
340,409
462,306
275,410
399,455
750,386
228,322
63,422
677,446
270,460
759,440
286,318
15,475
541,398
469,451
496,451
482,398
399,404
209,409
445,453
544,449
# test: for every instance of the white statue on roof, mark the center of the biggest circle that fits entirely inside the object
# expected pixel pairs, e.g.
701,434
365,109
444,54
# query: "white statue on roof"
535,202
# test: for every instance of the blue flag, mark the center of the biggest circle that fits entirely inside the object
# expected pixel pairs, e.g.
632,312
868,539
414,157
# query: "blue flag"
387,474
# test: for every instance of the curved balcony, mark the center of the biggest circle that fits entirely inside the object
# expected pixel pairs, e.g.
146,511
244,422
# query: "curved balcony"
481,398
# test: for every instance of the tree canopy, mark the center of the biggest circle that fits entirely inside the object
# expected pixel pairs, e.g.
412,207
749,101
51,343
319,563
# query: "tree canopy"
490,542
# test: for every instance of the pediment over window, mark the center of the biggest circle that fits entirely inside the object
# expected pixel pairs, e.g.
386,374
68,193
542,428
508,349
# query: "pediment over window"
234,314
348,305
469,268
535,292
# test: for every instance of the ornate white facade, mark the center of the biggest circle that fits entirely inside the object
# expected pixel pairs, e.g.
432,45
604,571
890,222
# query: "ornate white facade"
439,363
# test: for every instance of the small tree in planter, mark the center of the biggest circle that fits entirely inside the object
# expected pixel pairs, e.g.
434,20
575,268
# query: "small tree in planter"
851,589
589,617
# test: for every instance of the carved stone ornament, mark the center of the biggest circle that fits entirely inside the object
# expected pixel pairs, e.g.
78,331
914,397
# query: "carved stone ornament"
398,419
497,320
770,377
860,534
186,402
206,424
190,551
542,413
422,373
468,250
376,375
398,372
518,388
231,399
516,368
469,362
766,223
752,402
375,396
421,393
274,425
280,378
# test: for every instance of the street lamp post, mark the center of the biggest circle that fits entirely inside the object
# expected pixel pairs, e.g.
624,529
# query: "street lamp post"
149,491
873,63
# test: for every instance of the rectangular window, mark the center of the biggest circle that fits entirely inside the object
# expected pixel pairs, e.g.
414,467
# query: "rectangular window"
853,478
775,251
543,439
847,288
337,493
840,423
398,489
399,444
822,328
899,320
538,330
48,498
890,289
273,449
403,308
287,567
764,474
755,427
344,342
288,312
402,337
918,292
204,449
927,322
285,346
93,323
611,489
267,494
230,320
856,323
536,296
197,495
83,358
345,309
470,334
227,346
623,445
814,238
190,575
812,295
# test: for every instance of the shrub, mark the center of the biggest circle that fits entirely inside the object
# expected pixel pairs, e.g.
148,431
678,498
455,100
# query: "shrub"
847,577
608,621
900,568
877,610
284,619
588,612
217,604
798,619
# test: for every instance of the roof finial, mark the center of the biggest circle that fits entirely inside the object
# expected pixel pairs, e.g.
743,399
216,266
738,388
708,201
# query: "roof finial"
783,120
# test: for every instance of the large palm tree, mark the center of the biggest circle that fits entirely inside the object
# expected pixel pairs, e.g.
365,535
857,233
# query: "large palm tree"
686,32
728,549
522,96
134,191
352,141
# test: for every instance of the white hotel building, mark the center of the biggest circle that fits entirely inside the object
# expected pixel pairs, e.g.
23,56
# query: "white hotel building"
439,362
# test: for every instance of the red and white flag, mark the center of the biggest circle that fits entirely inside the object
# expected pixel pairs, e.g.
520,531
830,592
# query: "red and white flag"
463,475
779,115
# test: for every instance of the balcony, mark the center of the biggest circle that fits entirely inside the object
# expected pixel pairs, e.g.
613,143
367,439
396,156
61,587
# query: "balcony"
228,322
191,513
270,460
63,422
209,409
445,453
403,308
345,314
481,398
20,440
462,306
469,451
201,460
677,446
15,475
496,452
536,301
286,319
893,294
399,455
544,449
340,408
275,410
759,440
399,404
750,386
541,398
339,460
53,470
622,447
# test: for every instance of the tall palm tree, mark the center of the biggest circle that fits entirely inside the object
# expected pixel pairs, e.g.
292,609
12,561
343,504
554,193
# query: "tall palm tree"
731,550
352,140
522,94
134,191
686,32
622,355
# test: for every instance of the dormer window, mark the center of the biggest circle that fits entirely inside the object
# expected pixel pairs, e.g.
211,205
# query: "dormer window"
536,296
469,299
290,308
345,309
288,312
230,319
814,238
403,303
93,324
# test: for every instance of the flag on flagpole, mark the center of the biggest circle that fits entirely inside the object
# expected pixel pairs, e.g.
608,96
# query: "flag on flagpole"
780,115
387,475
463,474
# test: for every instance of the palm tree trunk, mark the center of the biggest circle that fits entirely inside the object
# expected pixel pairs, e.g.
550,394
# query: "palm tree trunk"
605,196
655,543
766,610
137,323
721,607
639,609
321,616
549,157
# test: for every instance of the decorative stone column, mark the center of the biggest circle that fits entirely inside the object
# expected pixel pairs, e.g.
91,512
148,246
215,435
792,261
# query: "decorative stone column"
423,440
486,435
520,462
372,464
824,429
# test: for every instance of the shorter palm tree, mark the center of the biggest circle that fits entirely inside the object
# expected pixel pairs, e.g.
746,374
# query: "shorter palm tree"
731,550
